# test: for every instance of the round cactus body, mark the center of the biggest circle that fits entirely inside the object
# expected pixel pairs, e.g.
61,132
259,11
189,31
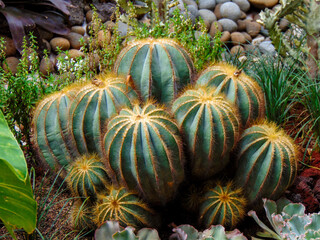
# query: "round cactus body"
211,127
51,136
267,162
123,206
82,216
144,152
222,205
239,88
93,105
88,177
158,67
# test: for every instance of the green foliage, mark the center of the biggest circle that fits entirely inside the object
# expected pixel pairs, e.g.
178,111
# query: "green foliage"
154,166
267,162
211,126
18,207
187,232
88,177
123,206
288,221
111,230
159,68
223,205
245,93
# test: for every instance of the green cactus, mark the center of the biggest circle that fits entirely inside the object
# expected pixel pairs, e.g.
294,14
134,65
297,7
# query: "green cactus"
87,177
144,152
267,162
223,205
187,232
159,68
82,216
288,221
239,88
111,230
51,137
123,206
211,126
93,105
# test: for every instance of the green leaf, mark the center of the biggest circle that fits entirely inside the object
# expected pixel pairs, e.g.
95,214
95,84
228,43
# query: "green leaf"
11,151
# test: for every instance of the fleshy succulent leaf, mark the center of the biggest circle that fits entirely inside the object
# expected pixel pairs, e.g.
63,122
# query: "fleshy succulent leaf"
106,230
61,5
315,224
147,233
126,234
294,209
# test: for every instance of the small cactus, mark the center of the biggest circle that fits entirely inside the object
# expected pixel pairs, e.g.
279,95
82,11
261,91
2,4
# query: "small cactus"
239,88
144,152
211,127
159,68
82,216
88,177
123,206
267,162
222,205
93,105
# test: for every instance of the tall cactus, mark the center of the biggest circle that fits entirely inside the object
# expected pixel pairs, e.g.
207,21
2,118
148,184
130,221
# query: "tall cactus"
239,88
51,136
211,126
267,162
159,68
144,152
94,104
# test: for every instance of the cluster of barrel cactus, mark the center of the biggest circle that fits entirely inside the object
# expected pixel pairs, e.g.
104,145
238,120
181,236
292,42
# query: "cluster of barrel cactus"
144,133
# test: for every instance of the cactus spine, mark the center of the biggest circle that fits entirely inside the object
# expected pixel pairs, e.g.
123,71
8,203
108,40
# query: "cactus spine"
211,126
82,216
239,88
123,206
87,177
159,68
93,105
222,205
267,162
50,123
144,152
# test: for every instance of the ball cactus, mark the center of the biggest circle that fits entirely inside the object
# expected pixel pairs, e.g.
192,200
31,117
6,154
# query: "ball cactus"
159,67
211,126
222,205
144,152
51,136
239,88
267,162
94,104
87,177
123,206
82,216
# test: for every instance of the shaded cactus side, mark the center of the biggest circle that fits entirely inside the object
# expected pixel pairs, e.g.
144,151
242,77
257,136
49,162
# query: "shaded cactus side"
82,216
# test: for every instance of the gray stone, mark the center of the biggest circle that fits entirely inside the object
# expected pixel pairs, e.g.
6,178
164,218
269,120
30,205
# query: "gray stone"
207,15
256,41
122,28
267,47
76,16
228,25
244,5
230,10
105,10
222,1
264,31
191,2
207,4
194,11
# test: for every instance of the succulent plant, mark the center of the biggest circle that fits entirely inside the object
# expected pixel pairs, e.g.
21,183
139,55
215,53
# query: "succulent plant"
159,68
211,126
223,205
144,152
288,221
267,162
239,88
111,230
123,206
187,232
51,137
93,105
88,177
82,216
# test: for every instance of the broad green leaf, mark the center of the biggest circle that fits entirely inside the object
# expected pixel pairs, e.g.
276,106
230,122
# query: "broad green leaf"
11,151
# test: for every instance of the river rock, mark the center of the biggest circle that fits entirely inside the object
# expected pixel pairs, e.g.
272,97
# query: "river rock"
244,5
75,53
44,34
230,10
215,26
104,38
263,3
222,1
193,11
207,4
237,38
247,36
191,2
78,29
242,24
110,25
267,47
46,66
207,15
284,24
75,40
228,25
11,65
217,11
60,42
122,28
237,50
253,28
225,36
10,49
259,39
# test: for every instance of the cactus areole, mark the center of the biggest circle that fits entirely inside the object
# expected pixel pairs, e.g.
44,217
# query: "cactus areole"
144,152
159,68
